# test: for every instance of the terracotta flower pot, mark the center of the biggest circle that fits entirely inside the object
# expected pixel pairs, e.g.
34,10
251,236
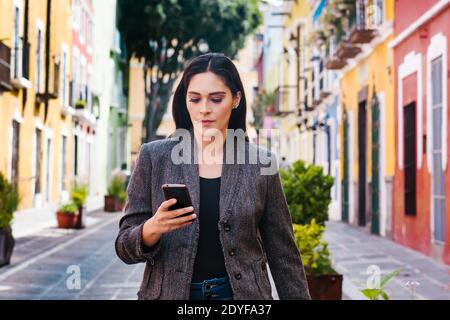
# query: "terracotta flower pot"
120,205
325,286
6,246
113,204
66,220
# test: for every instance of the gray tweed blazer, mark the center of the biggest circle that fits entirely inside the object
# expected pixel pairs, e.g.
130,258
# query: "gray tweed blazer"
254,222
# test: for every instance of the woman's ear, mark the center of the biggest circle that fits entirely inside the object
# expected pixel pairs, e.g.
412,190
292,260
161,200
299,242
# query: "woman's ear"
237,99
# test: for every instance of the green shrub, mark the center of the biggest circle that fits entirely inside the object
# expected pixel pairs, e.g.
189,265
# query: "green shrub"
9,201
79,194
314,251
122,196
308,192
80,104
69,207
117,188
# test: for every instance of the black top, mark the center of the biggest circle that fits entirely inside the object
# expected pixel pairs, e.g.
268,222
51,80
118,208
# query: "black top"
209,261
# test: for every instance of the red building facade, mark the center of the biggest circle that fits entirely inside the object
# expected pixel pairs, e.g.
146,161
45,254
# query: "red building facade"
421,206
81,88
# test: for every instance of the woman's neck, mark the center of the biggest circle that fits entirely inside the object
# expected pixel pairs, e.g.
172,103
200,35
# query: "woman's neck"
209,141
211,146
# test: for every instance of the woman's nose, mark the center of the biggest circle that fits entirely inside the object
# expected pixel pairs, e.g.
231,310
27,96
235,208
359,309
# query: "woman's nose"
204,108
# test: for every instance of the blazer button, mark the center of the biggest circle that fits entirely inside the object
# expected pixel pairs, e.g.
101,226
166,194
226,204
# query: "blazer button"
227,227
237,275
231,253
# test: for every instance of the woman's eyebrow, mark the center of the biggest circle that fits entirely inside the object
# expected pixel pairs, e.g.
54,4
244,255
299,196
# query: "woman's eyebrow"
212,93
217,92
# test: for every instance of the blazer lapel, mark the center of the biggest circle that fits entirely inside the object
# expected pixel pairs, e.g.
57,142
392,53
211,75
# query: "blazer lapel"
229,182
192,180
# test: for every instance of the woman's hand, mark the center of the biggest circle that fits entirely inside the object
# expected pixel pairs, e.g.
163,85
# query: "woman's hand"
165,220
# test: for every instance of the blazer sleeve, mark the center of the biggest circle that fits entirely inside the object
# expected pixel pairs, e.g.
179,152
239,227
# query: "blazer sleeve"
129,244
278,239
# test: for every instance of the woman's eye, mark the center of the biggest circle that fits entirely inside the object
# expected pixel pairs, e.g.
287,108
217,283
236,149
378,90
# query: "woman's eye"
216,100
194,100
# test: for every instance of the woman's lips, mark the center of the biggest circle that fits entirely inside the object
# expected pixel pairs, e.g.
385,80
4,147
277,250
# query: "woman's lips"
207,122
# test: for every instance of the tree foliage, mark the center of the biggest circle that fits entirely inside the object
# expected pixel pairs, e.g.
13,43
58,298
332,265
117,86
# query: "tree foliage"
164,34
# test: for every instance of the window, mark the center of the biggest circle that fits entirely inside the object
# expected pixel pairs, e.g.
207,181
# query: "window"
75,167
17,57
15,152
321,76
48,170
39,82
409,128
378,12
63,162
89,33
438,178
82,22
305,93
64,82
75,77
38,161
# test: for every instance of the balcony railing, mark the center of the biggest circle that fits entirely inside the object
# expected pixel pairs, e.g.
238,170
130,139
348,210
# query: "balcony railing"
347,50
364,24
333,60
5,67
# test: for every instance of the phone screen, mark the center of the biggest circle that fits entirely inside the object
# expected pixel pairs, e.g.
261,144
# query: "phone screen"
179,192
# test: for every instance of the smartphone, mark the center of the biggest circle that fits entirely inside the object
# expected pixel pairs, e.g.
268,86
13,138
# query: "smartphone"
179,192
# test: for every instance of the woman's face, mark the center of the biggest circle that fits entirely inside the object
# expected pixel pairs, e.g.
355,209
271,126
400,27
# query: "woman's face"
210,103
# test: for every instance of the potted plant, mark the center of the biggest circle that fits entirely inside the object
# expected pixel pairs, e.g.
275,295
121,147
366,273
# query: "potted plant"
80,104
9,201
323,281
308,192
116,197
67,216
79,194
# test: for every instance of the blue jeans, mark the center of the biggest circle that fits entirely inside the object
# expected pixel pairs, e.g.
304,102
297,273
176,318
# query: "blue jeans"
212,289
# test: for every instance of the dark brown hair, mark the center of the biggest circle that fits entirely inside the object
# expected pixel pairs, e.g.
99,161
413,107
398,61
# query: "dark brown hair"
223,67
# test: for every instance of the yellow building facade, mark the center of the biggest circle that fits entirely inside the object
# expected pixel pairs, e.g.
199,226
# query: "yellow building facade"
35,117
366,83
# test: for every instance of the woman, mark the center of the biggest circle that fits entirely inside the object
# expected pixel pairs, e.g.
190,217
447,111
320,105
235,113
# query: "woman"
239,219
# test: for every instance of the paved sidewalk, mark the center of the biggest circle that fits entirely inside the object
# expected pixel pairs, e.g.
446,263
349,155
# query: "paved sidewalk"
353,250
32,221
